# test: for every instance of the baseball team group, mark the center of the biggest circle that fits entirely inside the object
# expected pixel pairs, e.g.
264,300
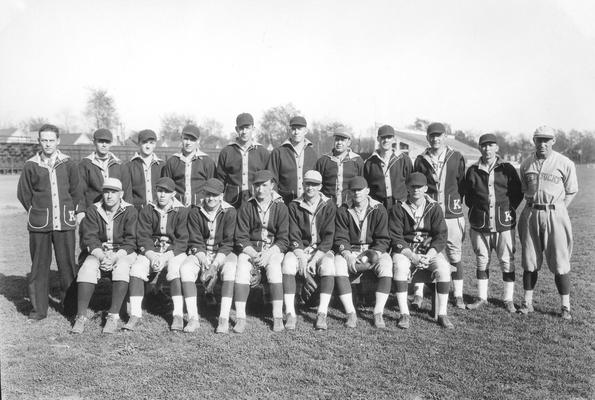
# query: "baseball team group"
301,223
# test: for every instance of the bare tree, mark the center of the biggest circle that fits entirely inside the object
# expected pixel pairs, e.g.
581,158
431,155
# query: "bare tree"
172,125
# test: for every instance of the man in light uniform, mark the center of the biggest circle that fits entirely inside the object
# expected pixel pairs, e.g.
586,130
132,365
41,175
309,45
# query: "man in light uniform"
493,192
549,183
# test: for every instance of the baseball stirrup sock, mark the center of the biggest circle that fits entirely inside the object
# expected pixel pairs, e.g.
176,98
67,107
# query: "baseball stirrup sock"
119,290
442,287
327,283
288,283
136,306
384,284
529,280
241,291
458,274
343,285
227,289
189,289
276,291
482,274
136,287
191,306
85,291
175,287
289,299
562,283
508,276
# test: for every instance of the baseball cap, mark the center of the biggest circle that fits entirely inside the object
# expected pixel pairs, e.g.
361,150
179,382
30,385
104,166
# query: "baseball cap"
262,176
487,138
103,134
358,183
340,131
145,135
313,176
544,132
386,130
213,186
298,121
417,179
436,128
191,130
112,183
165,183
244,119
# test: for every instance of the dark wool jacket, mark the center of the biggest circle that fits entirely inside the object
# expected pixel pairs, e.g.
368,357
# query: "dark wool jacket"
230,169
135,190
403,228
92,176
150,229
348,230
51,196
203,168
492,196
95,233
283,164
328,166
300,224
400,167
449,188
249,227
198,227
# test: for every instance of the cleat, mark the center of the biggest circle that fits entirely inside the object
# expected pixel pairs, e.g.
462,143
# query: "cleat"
404,321
132,323
565,314
177,323
291,322
222,326
321,322
111,325
278,325
379,321
526,308
417,302
479,303
193,325
459,303
79,325
240,325
509,306
444,322
351,320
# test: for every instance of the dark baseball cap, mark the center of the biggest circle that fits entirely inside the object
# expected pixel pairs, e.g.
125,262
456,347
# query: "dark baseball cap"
213,186
244,119
145,135
262,176
103,134
436,128
487,138
191,130
417,179
165,183
386,130
358,183
298,121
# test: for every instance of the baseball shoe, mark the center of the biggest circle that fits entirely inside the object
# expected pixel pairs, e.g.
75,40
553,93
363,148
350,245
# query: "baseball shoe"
132,323
79,324
404,321
222,326
177,323
509,305
291,322
111,325
479,303
278,325
526,308
192,325
565,314
444,322
459,303
417,302
240,325
321,322
379,321
351,320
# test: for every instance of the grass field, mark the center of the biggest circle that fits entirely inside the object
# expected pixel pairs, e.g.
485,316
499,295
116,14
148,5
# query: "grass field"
490,354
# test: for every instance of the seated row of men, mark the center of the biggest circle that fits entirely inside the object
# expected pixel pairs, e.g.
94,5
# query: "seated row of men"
310,237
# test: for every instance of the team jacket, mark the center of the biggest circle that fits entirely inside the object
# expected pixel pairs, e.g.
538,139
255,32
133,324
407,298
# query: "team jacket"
550,183
99,232
331,167
312,228
289,168
93,174
492,196
162,231
141,179
447,189
258,228
51,195
215,234
236,168
384,179
355,235
189,177
405,232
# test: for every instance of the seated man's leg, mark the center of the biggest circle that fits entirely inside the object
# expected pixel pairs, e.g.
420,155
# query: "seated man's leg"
241,291
175,287
344,290
289,268
401,267
139,274
86,280
228,273
275,280
326,271
120,278
440,269
189,271
384,272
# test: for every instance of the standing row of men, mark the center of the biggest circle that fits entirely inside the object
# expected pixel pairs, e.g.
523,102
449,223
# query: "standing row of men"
56,193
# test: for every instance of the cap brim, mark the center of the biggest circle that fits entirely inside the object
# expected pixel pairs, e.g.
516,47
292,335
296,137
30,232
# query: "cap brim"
213,192
312,181
111,188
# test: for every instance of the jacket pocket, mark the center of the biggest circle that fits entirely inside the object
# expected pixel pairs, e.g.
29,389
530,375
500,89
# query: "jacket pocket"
477,218
506,217
38,218
69,215
455,205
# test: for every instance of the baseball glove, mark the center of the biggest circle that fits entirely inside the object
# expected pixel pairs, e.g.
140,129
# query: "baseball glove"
209,277
255,276
309,287
366,260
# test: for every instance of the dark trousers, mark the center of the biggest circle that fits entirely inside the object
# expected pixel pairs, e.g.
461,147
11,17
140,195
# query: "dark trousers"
40,246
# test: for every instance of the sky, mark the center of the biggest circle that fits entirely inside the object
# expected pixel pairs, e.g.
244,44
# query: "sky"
480,66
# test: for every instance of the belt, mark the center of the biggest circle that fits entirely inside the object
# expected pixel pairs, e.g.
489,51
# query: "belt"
542,207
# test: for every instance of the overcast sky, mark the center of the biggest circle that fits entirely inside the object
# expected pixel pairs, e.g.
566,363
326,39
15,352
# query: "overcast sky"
478,65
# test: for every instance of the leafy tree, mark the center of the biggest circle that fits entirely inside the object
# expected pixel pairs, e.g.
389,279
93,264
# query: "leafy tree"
101,110
321,135
172,125
274,124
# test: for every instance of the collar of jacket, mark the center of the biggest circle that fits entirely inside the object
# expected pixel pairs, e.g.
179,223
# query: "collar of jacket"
120,210
111,158
301,202
276,198
175,205
224,207
482,166
351,155
448,152
60,158
394,156
197,153
155,159
253,145
430,203
288,143
372,204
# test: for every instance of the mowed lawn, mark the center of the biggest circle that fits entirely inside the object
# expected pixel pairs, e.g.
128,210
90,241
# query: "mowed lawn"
490,354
